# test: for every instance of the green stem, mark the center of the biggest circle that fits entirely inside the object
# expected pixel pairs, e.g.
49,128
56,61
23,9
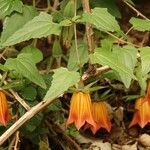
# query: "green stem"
33,3
75,36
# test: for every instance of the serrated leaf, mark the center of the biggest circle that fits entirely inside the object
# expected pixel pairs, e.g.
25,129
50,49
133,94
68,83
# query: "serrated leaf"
8,6
25,66
83,57
101,19
16,21
40,26
36,53
140,24
109,4
108,58
145,59
127,56
62,80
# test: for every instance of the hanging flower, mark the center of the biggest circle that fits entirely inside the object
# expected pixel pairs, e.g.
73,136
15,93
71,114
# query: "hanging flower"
100,116
4,112
80,110
142,113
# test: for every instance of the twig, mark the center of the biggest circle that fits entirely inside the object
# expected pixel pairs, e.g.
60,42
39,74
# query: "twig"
86,75
102,69
2,54
58,130
17,97
88,26
20,100
27,116
56,4
33,3
31,113
120,39
10,147
135,10
126,33
16,141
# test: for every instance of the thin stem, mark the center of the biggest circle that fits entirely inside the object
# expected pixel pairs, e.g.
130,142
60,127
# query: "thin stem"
126,32
33,3
27,116
16,96
120,39
75,35
17,141
48,4
20,100
135,10
88,27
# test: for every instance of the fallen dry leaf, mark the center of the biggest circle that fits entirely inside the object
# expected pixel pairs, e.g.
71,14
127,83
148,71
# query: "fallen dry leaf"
100,146
130,147
144,139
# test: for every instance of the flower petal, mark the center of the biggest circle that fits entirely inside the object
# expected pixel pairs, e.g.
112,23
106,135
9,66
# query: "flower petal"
80,110
4,112
100,116
142,113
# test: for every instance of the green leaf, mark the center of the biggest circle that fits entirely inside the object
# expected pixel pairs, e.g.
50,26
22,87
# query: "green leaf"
48,79
55,106
127,56
37,55
140,24
66,23
34,122
104,57
39,26
69,9
112,75
145,59
8,6
16,21
101,19
73,59
29,93
25,66
141,78
57,50
109,4
3,68
107,43
15,84
62,80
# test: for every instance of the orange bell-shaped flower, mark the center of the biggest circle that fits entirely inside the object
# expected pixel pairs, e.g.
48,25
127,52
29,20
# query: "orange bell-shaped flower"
100,116
142,113
80,110
4,111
